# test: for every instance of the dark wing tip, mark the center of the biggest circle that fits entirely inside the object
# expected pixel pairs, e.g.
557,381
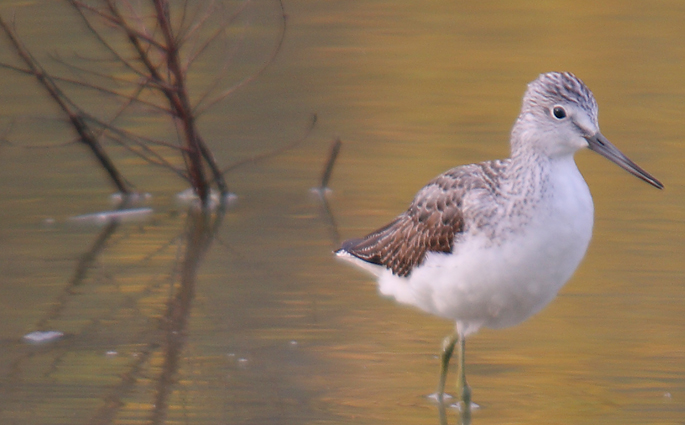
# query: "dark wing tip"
365,249
349,244
356,247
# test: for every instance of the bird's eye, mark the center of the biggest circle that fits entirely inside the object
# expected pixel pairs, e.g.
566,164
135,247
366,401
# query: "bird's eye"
559,112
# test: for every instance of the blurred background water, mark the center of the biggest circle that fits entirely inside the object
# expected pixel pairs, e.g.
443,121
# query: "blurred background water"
274,331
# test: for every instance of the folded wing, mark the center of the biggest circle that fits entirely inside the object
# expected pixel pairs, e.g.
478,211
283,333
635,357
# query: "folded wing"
439,213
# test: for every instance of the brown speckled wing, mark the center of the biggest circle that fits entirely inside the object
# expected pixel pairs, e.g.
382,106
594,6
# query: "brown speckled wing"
432,222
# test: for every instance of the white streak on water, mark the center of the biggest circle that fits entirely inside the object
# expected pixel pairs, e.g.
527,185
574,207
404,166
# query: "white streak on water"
106,217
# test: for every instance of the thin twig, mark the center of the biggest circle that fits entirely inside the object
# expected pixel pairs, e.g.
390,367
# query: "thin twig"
326,176
221,73
266,155
184,14
201,108
142,79
85,133
146,84
192,56
88,85
130,135
77,6
183,34
118,21
16,68
150,156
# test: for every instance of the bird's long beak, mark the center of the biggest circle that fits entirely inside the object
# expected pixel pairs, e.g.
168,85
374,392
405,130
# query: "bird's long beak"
602,146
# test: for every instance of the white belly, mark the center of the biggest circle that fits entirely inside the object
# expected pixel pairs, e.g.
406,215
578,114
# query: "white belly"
486,283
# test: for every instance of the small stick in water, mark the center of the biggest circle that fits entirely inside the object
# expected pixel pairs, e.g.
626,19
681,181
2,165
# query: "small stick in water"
335,149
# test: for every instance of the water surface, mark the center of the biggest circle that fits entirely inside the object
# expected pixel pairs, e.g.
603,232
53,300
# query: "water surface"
244,317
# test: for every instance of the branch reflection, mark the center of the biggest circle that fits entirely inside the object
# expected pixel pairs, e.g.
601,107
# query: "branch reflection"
125,308
201,227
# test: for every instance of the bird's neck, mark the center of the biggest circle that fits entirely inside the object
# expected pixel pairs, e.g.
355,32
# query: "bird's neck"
527,173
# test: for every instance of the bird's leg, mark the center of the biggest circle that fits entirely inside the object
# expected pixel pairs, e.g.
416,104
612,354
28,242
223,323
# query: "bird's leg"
447,349
462,386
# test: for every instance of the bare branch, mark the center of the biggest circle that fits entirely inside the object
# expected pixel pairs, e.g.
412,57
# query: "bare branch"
328,169
220,74
192,56
185,33
130,99
137,18
121,110
156,77
16,68
111,77
266,155
148,155
143,84
199,108
119,21
130,135
4,137
86,135
184,14
77,6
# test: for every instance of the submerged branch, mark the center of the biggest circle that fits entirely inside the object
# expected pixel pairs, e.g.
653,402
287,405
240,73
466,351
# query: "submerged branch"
86,135
154,75
328,170
181,106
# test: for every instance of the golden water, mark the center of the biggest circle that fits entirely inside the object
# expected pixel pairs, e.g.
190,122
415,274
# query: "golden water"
275,331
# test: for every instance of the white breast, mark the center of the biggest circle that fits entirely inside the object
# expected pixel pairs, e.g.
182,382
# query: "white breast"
499,283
